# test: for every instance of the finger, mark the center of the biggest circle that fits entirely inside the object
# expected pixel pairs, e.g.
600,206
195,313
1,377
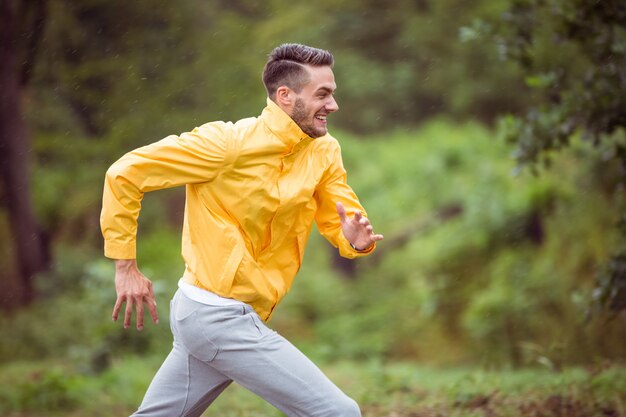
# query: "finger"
152,308
376,238
342,212
358,216
369,228
116,308
364,221
139,308
128,314
152,305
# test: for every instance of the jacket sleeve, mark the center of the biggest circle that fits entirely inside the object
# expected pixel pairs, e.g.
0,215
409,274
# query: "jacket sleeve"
334,188
192,157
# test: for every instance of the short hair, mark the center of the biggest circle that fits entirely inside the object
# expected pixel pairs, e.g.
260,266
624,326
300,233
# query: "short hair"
285,66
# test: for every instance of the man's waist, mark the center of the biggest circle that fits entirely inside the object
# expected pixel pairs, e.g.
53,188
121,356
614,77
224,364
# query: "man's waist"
204,296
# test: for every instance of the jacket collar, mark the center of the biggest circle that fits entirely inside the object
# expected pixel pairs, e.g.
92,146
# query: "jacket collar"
282,125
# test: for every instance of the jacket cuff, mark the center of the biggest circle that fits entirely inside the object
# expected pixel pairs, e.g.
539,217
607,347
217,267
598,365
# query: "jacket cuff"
120,250
347,251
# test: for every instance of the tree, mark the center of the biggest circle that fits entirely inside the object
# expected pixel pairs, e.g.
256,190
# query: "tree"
21,27
71,43
573,55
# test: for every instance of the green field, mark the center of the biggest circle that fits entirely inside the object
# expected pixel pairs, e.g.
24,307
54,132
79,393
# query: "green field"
394,389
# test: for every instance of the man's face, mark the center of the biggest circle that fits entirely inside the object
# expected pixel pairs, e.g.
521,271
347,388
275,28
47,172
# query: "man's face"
315,101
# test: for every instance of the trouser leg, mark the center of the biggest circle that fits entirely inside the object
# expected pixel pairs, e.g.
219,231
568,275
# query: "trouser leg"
278,372
217,344
236,343
183,386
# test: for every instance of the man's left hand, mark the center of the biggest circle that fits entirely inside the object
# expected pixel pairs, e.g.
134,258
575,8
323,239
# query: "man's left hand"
358,229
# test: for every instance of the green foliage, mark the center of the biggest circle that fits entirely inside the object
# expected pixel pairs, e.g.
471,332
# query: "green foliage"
611,284
579,90
49,390
571,54
74,320
506,282
106,72
381,389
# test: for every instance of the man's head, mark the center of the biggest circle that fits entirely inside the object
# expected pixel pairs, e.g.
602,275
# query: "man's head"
300,80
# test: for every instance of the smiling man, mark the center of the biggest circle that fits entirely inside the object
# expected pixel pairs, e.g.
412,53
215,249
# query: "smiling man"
253,190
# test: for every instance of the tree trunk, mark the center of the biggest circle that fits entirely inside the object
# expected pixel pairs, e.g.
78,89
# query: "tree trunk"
29,245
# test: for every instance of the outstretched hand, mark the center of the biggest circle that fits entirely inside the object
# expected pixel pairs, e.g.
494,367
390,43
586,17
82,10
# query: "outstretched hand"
135,289
358,229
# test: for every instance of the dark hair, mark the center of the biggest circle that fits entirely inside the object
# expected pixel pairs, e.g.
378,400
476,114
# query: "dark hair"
285,66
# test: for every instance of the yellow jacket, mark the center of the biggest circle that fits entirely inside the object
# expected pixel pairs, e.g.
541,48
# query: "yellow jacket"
253,189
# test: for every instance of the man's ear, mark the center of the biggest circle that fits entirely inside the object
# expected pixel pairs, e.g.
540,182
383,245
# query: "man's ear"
284,97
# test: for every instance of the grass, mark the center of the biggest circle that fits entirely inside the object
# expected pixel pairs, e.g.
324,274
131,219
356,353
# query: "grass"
52,389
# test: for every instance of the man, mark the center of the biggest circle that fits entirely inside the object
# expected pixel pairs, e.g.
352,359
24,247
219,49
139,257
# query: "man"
253,190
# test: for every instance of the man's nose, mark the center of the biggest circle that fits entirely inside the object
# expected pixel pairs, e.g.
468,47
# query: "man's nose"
332,105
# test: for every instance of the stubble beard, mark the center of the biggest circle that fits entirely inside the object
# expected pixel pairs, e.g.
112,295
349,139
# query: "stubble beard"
300,115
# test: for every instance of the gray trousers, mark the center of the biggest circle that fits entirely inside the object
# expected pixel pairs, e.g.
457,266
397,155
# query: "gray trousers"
215,345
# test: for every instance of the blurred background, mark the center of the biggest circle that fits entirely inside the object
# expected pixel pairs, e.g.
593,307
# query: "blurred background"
486,139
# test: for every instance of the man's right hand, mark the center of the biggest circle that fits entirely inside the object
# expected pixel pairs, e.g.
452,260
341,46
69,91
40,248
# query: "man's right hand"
134,289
